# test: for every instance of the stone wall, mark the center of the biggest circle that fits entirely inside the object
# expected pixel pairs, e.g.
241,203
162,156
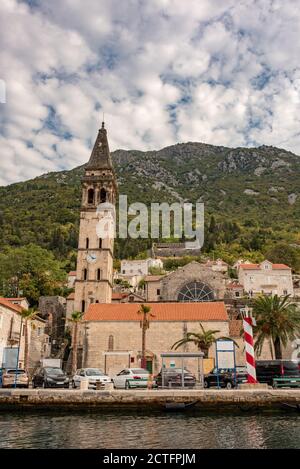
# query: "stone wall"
127,337
194,271
53,310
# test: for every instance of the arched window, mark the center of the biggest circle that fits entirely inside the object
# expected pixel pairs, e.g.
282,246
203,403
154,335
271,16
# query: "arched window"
110,343
102,195
83,306
100,243
98,274
195,292
85,272
91,195
87,243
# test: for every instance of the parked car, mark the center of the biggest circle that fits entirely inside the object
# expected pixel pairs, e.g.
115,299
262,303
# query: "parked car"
173,377
226,377
10,376
94,375
131,378
269,370
50,377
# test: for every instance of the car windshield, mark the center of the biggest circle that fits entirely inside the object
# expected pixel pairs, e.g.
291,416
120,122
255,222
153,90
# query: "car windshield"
139,371
18,372
54,371
290,365
94,372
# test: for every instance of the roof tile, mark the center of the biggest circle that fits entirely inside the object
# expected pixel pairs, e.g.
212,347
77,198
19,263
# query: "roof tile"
207,311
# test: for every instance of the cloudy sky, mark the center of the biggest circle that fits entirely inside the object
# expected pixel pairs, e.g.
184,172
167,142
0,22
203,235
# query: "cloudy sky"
224,72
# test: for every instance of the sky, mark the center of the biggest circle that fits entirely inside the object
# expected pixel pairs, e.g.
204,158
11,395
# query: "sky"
162,71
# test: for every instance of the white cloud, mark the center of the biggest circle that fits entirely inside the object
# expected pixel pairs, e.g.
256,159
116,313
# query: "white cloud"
164,71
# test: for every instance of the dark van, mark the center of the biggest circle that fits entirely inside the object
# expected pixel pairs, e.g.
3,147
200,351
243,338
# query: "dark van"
273,372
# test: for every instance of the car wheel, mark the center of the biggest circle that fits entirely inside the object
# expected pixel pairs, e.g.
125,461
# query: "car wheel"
127,385
229,385
206,384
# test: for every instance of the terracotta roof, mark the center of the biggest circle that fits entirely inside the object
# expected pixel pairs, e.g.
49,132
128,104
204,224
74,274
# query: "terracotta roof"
234,285
8,304
258,266
118,296
153,278
72,274
16,299
207,311
71,296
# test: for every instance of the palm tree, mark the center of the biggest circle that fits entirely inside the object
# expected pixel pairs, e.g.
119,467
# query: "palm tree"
75,320
27,315
145,324
203,340
277,321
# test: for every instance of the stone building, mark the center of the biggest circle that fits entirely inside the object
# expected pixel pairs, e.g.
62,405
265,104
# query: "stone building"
12,335
163,250
140,266
194,282
267,278
53,310
40,345
94,278
112,332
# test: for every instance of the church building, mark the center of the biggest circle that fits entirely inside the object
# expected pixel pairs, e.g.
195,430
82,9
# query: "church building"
94,275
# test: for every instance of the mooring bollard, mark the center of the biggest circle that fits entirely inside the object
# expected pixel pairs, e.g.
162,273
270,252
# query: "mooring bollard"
84,384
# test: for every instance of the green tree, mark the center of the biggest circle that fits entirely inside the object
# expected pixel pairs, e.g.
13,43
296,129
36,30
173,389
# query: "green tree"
31,270
277,321
27,315
203,340
75,320
145,311
283,253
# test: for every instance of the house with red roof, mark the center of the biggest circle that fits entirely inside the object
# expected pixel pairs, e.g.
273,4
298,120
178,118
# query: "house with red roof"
266,278
12,335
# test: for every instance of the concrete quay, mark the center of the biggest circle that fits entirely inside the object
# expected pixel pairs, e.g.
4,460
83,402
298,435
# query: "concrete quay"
216,400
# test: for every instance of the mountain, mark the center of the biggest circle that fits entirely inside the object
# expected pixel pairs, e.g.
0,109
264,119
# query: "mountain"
251,196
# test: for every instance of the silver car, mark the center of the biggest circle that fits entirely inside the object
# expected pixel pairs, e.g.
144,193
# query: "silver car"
131,378
94,375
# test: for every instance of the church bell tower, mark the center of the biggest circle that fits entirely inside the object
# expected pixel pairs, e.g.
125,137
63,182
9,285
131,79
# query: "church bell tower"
94,278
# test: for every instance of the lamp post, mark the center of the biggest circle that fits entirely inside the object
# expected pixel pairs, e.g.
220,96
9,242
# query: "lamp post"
248,323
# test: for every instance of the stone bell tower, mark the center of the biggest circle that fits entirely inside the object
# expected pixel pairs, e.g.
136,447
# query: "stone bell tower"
94,277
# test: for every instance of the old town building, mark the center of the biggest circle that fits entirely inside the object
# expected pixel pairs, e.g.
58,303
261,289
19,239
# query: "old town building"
112,332
194,282
267,278
94,278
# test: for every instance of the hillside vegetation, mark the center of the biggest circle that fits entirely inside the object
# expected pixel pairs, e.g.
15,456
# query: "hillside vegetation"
251,196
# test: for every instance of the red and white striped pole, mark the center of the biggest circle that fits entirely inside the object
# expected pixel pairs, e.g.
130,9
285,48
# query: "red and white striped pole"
248,322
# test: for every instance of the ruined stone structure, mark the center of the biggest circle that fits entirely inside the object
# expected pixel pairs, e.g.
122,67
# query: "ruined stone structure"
94,276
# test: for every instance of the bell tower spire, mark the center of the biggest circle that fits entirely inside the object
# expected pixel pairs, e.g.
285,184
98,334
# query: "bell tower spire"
94,278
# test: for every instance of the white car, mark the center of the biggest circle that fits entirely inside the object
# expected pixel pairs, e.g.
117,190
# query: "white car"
94,376
131,378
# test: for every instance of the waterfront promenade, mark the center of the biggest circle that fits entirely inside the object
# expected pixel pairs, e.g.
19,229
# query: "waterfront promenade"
220,400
